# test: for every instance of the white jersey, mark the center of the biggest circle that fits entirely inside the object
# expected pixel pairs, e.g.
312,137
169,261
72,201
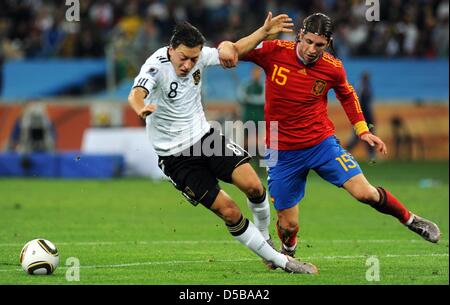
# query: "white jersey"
179,120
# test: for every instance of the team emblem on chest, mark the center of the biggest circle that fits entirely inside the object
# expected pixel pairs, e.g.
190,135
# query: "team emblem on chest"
196,76
319,87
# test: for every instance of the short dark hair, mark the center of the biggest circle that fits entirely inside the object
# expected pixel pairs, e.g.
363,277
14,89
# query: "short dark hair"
319,24
186,34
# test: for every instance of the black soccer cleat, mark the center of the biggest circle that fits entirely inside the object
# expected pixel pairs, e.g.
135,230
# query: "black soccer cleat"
425,228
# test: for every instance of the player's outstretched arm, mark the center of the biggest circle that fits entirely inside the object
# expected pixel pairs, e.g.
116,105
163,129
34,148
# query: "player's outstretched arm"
230,52
136,101
271,27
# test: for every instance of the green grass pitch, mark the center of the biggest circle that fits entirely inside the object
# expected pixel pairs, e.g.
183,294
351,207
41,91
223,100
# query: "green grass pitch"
134,231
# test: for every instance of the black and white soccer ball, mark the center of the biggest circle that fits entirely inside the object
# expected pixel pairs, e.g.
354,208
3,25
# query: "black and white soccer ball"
39,256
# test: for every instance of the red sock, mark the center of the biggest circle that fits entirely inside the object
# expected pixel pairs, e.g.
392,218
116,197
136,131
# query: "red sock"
388,204
287,237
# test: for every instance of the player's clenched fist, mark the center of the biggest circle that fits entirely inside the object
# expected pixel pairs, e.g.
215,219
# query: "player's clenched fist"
228,54
147,110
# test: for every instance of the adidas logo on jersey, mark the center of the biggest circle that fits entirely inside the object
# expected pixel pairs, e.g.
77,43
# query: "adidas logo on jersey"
302,71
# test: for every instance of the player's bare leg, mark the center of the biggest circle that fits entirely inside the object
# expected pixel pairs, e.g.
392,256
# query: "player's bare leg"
246,233
225,208
287,228
384,202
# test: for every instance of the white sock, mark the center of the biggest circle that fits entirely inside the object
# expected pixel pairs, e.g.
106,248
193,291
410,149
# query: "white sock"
410,220
261,215
249,235
289,248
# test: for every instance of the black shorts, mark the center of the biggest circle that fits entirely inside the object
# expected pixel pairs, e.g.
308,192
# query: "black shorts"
196,170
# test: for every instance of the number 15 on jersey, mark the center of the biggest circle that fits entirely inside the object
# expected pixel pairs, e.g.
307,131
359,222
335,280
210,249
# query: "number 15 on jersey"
279,75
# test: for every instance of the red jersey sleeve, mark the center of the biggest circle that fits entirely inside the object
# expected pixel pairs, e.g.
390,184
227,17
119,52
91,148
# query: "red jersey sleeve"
348,98
260,54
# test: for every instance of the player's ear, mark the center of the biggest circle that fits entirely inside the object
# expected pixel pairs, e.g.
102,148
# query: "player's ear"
330,44
300,35
171,50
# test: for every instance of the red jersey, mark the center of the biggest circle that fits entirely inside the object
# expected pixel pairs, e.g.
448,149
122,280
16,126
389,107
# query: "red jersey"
296,95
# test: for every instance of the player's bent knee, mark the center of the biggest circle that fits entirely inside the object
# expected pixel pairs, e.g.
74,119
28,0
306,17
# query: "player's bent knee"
254,189
361,196
366,195
288,225
248,181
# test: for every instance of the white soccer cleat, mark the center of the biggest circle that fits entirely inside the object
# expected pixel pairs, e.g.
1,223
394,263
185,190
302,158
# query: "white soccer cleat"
295,266
425,228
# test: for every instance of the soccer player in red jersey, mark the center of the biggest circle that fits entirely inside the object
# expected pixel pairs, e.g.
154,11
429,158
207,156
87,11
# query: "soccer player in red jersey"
298,77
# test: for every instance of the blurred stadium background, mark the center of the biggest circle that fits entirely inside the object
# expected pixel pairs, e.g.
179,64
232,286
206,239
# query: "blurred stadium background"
79,73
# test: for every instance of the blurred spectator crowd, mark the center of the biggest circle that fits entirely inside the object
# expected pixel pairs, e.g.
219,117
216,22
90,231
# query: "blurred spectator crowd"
133,29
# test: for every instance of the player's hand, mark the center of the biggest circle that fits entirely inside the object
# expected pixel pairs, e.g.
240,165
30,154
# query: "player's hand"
375,141
228,54
278,24
147,110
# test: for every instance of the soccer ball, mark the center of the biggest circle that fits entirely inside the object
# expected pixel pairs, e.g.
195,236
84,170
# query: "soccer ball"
39,256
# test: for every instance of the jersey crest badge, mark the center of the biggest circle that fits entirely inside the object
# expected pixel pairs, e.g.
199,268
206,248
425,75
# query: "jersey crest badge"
319,87
196,76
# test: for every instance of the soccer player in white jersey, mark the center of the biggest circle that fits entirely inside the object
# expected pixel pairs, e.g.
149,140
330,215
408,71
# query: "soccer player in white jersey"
167,94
